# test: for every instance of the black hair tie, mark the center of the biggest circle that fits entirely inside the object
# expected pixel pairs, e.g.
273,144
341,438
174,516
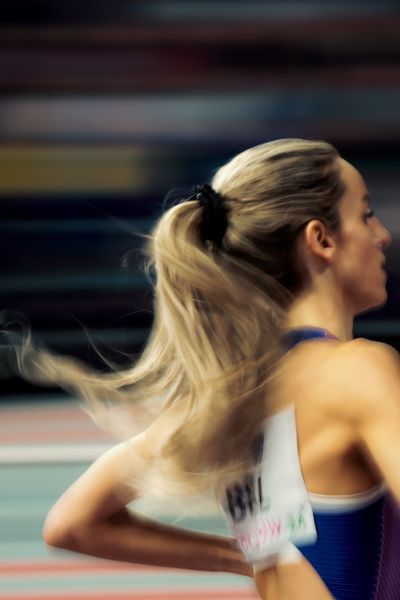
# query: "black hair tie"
215,222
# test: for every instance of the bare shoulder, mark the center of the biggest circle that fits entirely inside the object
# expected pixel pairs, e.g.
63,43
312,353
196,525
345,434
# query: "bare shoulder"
335,368
364,378
363,352
368,398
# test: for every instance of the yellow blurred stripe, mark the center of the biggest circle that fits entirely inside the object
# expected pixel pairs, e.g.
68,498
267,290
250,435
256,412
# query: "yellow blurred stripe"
71,168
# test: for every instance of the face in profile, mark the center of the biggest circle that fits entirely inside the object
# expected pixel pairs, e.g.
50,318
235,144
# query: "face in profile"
360,244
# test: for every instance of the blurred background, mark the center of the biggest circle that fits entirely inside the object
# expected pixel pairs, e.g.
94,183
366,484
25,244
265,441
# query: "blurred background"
104,107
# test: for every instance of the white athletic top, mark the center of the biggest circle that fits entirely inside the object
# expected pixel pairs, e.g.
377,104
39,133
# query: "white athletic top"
270,510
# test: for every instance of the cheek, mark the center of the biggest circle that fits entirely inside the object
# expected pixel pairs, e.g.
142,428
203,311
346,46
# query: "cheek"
361,248
354,266
351,257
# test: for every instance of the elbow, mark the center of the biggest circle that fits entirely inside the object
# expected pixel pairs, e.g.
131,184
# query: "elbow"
56,533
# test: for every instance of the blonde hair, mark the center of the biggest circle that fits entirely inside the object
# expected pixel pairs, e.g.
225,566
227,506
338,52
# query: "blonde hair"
217,312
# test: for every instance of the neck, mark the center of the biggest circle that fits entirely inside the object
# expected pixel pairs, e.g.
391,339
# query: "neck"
316,309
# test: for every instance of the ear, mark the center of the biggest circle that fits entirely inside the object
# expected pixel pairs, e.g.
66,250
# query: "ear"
318,240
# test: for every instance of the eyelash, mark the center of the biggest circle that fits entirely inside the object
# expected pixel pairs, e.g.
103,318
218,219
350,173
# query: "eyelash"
369,214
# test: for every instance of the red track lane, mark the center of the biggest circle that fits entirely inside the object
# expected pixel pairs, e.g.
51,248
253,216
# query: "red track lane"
33,567
190,594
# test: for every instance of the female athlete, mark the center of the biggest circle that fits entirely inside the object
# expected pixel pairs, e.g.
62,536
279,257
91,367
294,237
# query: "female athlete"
254,385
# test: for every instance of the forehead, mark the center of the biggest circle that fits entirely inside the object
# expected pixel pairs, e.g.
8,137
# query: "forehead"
356,193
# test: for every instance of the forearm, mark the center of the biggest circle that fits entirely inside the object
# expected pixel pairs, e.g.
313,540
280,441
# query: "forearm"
132,538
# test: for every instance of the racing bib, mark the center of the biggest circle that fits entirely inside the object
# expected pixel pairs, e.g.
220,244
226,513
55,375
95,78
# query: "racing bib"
270,506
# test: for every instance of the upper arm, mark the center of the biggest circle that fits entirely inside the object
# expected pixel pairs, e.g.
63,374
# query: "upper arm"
370,379
104,489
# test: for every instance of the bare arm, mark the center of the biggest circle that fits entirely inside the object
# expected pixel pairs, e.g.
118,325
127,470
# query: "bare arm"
91,517
370,379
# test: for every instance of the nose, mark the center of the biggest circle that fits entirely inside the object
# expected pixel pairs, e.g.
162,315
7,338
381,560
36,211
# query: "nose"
384,236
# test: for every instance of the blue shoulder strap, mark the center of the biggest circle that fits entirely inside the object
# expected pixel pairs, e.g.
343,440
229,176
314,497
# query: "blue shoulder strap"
300,334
